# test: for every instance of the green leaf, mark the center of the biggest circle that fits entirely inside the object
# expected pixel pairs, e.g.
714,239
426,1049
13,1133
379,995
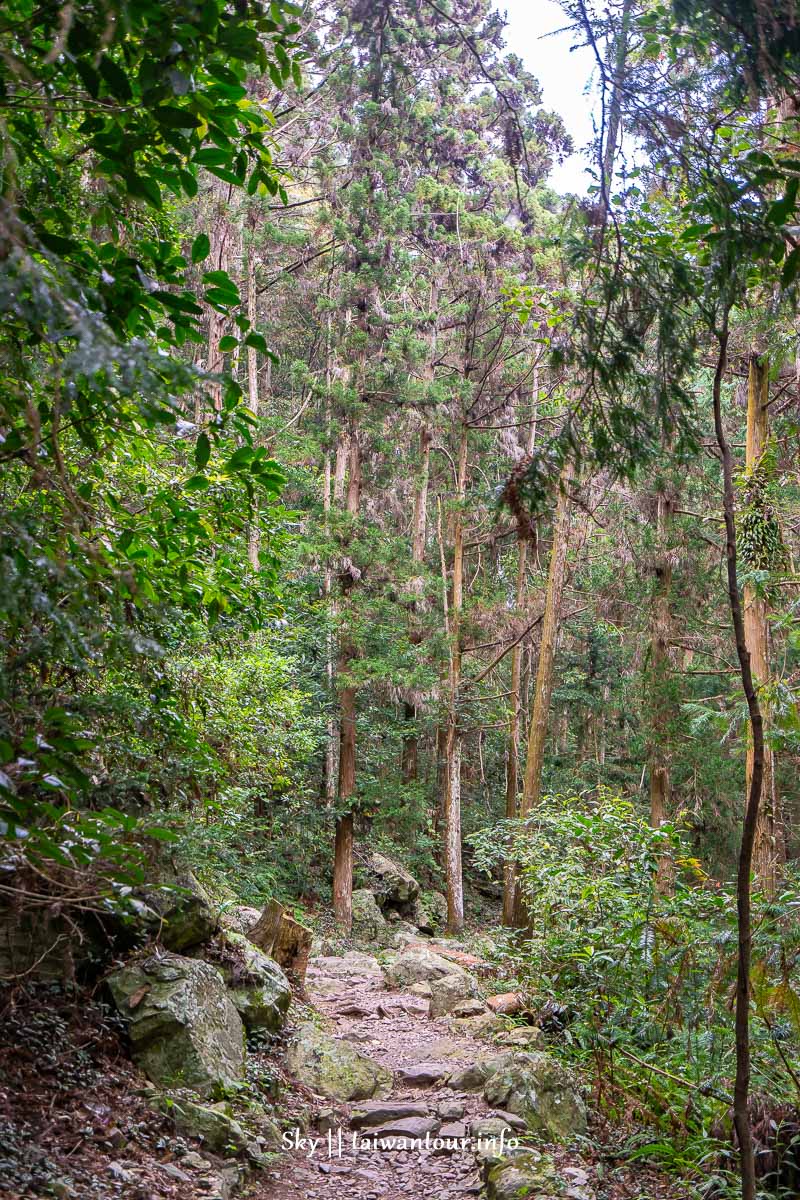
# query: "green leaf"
228,343
201,247
790,268
202,451
115,79
173,117
257,341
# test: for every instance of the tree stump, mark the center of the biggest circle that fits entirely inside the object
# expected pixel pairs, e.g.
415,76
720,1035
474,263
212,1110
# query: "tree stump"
284,939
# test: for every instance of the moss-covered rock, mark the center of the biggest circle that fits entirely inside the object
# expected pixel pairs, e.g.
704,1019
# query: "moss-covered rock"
450,993
183,1025
539,1089
218,1131
333,1068
392,883
525,1175
258,986
369,924
429,913
179,913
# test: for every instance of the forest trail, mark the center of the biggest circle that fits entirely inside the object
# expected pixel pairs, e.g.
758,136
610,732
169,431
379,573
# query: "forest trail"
392,1028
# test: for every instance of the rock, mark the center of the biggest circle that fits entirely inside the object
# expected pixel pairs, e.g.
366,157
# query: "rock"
511,1119
540,1090
423,989
451,993
526,1175
411,1128
403,934
453,1132
369,923
378,1112
394,886
471,1078
240,918
181,914
223,1183
524,1035
333,1068
196,1161
258,986
508,1003
482,1027
423,1074
175,1173
576,1176
218,1131
451,1110
325,1120
183,1025
417,964
429,913
488,1129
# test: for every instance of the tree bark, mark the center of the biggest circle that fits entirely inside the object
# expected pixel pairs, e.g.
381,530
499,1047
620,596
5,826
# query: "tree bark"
410,751
452,740
512,753
767,851
343,845
254,533
741,1114
660,639
537,732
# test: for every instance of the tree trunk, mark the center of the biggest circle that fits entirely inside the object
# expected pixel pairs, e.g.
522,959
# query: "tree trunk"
452,770
512,752
537,732
343,846
253,536
220,261
767,851
660,639
410,752
741,1114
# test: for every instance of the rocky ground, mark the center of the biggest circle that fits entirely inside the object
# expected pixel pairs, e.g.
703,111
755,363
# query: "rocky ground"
435,1080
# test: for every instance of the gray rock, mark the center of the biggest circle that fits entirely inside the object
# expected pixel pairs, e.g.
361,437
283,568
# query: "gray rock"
422,989
539,1089
180,913
452,992
258,986
210,1123
394,886
378,1112
333,1068
451,1110
411,1128
240,918
511,1119
369,923
429,913
483,1027
175,1173
453,1131
521,1176
183,1025
418,964
422,1074
528,1036
471,1078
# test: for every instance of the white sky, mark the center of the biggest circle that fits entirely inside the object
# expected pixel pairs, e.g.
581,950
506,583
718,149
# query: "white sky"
563,74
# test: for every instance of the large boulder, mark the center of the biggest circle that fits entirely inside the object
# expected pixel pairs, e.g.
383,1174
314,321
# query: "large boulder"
456,994
524,1175
429,913
394,887
258,986
333,1068
240,918
183,1025
328,975
178,912
369,924
539,1089
418,964
211,1124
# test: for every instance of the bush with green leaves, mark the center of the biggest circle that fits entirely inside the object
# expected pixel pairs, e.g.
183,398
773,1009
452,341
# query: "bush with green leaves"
630,960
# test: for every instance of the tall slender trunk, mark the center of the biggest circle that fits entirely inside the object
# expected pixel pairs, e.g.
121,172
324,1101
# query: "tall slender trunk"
327,583
660,637
741,1091
254,533
767,851
410,751
221,235
512,752
343,845
537,732
452,738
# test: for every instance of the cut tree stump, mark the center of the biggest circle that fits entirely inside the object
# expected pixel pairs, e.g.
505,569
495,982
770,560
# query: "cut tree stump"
284,939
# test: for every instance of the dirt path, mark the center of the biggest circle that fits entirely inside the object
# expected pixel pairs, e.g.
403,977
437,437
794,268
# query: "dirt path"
393,1029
